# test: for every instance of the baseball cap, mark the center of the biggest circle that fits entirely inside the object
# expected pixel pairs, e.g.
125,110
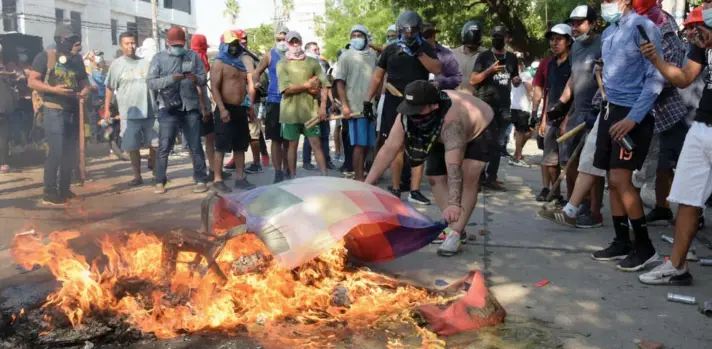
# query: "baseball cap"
391,28
175,36
417,95
64,31
500,30
281,30
583,12
229,37
561,28
695,17
291,35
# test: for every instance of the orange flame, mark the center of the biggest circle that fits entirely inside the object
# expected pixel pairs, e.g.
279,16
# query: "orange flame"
265,301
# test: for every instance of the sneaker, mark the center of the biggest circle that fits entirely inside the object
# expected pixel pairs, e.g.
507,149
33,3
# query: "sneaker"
53,200
253,168
395,192
330,165
220,187
349,175
638,259
230,165
211,175
494,185
542,195
659,214
243,184
136,182
417,197
278,176
667,274
518,163
265,160
616,251
558,216
558,202
200,188
441,238
451,246
160,188
589,220
309,167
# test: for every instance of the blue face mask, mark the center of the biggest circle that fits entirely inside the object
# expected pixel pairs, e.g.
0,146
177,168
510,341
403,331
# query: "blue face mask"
707,16
358,43
610,12
176,50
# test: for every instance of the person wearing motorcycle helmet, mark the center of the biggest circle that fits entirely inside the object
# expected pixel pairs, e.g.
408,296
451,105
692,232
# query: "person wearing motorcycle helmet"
471,36
411,58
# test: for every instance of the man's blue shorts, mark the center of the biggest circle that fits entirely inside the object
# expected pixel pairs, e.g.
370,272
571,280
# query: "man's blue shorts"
362,132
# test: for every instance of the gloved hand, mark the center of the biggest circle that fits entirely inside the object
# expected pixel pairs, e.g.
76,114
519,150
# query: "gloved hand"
421,48
558,111
533,120
368,111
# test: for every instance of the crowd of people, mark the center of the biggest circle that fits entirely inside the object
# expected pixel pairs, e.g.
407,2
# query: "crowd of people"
419,109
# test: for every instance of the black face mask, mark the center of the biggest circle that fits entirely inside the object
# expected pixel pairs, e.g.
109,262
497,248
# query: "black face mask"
234,50
65,45
498,43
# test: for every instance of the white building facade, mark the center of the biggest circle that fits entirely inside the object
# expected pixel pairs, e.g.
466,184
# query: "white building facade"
100,21
302,19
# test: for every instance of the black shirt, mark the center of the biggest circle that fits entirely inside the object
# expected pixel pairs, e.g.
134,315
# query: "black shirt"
556,78
402,68
70,74
495,89
704,110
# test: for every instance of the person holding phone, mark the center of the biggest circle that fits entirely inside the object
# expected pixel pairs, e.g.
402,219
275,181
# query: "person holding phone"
632,85
493,75
691,186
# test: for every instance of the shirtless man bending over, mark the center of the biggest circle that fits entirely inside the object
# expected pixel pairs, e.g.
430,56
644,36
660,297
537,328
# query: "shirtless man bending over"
232,131
450,129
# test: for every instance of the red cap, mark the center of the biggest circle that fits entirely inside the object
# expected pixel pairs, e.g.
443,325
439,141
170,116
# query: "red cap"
695,17
232,35
175,36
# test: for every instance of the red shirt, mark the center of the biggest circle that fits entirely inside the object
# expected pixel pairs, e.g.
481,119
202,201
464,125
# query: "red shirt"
541,73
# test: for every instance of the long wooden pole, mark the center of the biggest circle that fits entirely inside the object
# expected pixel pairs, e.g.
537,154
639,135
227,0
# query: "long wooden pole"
82,151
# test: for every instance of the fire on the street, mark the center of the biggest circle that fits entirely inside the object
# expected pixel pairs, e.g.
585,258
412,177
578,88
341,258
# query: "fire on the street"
310,305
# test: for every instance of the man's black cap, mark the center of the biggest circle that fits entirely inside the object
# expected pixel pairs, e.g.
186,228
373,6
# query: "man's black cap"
417,95
500,30
64,31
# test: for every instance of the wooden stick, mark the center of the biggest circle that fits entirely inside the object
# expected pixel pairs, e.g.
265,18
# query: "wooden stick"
573,159
394,91
82,152
599,80
315,120
571,133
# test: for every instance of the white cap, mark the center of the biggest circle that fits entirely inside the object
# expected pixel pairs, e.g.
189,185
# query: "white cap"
391,28
580,11
562,29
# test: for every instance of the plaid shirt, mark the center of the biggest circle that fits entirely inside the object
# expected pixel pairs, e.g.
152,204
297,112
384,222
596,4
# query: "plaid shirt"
669,108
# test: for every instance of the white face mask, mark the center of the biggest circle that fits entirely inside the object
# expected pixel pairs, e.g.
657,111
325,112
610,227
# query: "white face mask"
611,12
582,37
707,16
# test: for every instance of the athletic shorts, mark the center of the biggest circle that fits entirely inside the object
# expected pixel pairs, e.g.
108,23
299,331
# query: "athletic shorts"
389,113
233,135
380,112
291,132
551,147
207,127
139,133
588,152
609,154
362,132
255,129
692,185
520,120
273,129
567,147
478,149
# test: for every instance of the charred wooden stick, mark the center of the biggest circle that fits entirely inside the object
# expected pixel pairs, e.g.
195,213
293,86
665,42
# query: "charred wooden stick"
571,133
394,91
574,158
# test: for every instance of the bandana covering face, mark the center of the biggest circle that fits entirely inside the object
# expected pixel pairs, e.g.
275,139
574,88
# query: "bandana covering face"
411,44
420,135
233,61
295,53
651,10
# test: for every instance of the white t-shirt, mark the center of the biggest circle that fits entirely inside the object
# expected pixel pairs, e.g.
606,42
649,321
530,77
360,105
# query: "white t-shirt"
520,97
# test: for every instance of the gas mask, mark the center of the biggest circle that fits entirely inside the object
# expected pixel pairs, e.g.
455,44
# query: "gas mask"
498,43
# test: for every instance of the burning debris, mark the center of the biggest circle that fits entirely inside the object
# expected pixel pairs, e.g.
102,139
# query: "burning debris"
145,286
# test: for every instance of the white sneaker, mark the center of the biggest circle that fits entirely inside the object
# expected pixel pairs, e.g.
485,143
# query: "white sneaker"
441,238
451,245
667,274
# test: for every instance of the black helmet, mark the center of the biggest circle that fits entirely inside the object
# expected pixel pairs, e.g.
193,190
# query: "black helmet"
472,33
409,21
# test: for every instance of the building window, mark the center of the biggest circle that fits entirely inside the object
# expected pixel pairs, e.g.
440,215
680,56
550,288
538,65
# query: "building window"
9,15
131,27
114,34
180,5
59,15
76,22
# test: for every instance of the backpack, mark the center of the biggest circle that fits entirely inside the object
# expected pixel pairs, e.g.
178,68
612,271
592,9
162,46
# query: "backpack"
37,101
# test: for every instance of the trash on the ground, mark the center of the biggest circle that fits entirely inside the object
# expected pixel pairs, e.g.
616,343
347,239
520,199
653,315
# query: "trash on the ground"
542,283
484,232
643,344
679,298
667,239
88,345
706,308
440,283
707,262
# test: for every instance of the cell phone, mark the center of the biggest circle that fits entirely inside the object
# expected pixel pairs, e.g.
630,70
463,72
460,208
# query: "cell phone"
187,67
642,32
502,61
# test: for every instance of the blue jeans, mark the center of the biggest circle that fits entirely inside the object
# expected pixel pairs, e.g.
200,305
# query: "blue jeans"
325,130
62,133
169,124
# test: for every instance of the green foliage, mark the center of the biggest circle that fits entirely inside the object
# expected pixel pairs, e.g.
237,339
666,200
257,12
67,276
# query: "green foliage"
260,39
232,10
341,15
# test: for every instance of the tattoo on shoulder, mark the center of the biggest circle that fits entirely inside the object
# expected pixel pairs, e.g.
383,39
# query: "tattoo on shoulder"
454,182
453,135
